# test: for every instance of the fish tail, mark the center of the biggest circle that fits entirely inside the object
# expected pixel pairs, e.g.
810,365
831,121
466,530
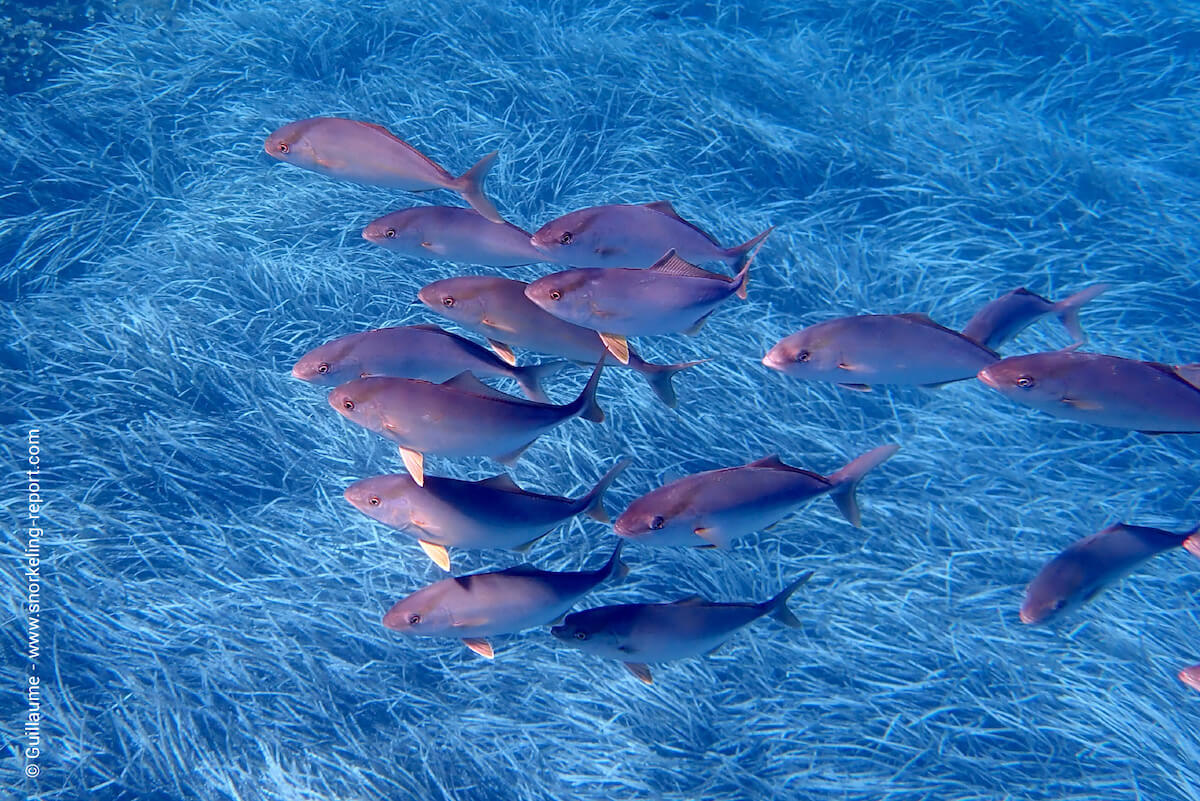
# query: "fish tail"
593,502
470,186
1068,309
530,378
845,481
1192,542
585,405
659,376
740,256
777,607
616,569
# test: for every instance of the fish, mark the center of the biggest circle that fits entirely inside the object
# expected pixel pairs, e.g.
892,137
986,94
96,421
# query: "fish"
1191,676
856,352
1104,390
491,513
634,236
1008,315
459,417
643,634
475,607
672,296
454,234
414,351
497,308
366,153
1087,566
716,507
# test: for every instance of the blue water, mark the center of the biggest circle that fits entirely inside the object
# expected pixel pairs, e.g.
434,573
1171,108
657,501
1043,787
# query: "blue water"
212,603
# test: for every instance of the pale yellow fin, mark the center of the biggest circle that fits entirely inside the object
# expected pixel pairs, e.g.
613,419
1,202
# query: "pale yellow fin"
414,463
480,646
504,351
438,553
641,671
617,346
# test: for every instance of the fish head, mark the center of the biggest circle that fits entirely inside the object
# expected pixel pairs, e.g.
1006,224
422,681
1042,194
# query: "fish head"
567,294
654,519
596,631
396,231
427,612
465,299
291,144
384,498
1059,587
580,239
813,353
329,365
357,401
1034,380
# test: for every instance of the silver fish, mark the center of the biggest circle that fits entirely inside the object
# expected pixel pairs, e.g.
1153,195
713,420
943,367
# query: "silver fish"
633,236
1010,314
483,605
492,513
642,634
1104,390
1087,566
366,153
672,296
719,506
454,234
498,309
414,351
460,417
856,352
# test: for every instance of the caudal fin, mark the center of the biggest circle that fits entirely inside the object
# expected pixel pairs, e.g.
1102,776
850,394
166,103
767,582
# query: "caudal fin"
845,481
585,405
470,186
659,376
1068,309
740,256
777,606
593,502
530,378
1192,543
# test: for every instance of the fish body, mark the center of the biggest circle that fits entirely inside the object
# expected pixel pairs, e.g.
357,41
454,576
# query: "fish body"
642,634
1103,390
1093,563
670,297
491,513
502,602
367,153
879,349
414,351
454,234
634,236
1010,314
498,309
719,506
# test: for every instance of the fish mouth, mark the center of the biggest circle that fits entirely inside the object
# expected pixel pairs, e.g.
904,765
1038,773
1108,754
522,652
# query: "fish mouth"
560,632
987,378
296,372
1028,617
540,245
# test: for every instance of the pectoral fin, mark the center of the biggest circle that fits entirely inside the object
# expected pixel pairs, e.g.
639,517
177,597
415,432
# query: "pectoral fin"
438,553
617,346
414,463
708,535
695,327
480,646
1084,405
504,351
641,671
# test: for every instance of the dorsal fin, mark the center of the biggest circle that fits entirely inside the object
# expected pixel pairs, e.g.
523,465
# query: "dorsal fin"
1190,371
522,570
691,600
467,382
437,329
922,318
672,264
502,482
768,461
664,207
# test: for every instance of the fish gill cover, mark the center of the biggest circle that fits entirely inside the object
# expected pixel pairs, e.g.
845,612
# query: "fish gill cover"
213,604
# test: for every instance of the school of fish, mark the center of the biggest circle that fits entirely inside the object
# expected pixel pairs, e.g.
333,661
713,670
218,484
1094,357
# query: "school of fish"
629,271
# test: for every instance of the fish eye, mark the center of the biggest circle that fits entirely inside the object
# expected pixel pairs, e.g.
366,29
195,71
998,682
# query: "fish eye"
581,635
323,368
1059,604
657,522
283,147
1025,381
565,239
414,619
555,294
803,356
374,500
348,405
448,302
390,233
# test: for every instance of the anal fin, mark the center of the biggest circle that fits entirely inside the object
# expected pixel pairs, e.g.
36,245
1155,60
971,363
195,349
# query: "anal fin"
480,646
438,553
640,670
504,351
856,387
617,346
414,463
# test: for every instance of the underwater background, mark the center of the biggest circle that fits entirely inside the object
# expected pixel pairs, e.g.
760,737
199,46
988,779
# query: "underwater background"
211,608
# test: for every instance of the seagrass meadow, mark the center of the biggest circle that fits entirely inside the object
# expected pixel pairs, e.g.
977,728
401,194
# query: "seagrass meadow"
211,604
